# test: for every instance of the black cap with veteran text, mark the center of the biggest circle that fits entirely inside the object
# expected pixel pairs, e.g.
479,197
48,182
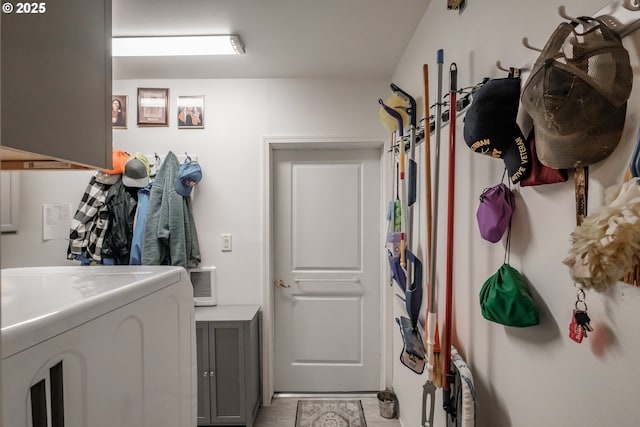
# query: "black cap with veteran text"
490,126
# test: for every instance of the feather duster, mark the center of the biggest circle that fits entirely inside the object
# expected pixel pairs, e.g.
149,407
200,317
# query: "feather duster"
607,243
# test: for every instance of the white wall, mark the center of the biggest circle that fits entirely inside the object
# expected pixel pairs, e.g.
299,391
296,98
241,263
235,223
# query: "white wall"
528,377
238,114
534,376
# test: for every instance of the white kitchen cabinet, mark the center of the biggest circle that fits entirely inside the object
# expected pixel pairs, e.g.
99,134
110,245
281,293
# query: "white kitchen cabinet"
56,85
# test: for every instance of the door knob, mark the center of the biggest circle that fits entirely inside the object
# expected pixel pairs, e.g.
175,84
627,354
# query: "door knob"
280,284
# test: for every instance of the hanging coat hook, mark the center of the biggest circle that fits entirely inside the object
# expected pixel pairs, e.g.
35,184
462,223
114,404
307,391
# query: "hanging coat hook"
562,11
500,67
525,43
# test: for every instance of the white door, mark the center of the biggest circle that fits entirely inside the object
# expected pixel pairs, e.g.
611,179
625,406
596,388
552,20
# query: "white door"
327,257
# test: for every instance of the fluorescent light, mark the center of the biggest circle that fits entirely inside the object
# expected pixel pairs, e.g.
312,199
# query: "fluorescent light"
177,45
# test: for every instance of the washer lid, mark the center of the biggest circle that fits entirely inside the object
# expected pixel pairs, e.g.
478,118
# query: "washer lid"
41,302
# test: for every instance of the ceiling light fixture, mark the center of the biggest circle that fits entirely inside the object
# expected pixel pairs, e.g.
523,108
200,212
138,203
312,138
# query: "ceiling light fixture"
177,45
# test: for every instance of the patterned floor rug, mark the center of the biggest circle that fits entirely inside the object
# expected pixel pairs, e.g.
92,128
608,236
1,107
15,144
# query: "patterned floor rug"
330,413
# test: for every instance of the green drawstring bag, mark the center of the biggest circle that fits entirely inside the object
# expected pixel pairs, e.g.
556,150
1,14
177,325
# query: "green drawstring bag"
505,297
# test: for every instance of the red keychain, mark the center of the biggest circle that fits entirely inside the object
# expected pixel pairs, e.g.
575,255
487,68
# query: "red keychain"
576,332
580,321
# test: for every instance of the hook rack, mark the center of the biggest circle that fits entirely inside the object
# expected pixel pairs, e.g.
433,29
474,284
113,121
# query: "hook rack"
618,15
525,43
462,102
155,164
562,11
621,16
499,66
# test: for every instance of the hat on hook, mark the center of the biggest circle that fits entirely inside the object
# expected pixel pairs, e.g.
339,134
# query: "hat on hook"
189,175
490,126
136,171
576,94
118,159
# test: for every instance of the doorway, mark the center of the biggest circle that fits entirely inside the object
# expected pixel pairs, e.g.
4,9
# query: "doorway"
323,317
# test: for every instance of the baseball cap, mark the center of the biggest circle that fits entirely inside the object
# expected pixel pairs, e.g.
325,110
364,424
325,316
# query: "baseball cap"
136,171
576,94
189,175
490,126
118,160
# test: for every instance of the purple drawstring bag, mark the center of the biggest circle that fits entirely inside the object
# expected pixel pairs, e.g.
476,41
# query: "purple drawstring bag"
494,212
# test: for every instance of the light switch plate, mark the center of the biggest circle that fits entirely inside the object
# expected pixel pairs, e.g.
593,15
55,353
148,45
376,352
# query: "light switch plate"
226,242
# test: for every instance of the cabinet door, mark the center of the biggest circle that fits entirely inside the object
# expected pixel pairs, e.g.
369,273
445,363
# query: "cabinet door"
56,79
203,371
227,378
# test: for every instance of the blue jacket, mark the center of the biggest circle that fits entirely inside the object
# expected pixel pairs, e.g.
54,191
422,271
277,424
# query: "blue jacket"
138,227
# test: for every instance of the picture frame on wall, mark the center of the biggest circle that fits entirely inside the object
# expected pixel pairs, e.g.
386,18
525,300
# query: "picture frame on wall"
119,106
153,107
191,112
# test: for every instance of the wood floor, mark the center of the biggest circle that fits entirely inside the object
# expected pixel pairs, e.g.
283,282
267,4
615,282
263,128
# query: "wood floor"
282,412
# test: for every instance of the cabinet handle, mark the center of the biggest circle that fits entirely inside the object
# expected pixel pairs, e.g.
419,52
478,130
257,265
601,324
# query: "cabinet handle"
205,374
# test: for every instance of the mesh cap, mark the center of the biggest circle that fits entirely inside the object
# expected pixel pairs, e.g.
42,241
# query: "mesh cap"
577,93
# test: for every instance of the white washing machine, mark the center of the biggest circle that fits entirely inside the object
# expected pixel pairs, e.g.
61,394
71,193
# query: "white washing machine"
98,346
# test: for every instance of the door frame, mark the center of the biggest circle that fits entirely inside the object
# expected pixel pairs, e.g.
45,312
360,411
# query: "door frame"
269,145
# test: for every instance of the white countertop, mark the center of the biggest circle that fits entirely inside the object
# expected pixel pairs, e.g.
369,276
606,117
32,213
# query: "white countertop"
221,313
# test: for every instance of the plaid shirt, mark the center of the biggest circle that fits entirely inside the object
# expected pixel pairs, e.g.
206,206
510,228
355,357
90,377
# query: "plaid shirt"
90,222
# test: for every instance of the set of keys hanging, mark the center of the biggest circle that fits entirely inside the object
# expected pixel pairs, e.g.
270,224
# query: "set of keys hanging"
580,321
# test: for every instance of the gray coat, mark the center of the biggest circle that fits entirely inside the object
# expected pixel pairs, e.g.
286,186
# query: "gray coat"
170,236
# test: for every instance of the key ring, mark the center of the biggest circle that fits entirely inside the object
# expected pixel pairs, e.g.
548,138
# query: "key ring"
580,296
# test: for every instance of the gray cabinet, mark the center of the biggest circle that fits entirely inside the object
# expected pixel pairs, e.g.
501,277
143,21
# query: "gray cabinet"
56,83
227,341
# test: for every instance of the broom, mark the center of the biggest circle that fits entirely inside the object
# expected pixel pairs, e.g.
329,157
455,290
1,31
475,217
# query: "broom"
432,336
434,375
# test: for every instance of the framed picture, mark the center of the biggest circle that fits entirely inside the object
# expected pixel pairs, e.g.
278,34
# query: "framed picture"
119,105
153,107
191,112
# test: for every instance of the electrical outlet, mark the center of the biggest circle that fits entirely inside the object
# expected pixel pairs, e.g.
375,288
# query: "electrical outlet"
226,242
